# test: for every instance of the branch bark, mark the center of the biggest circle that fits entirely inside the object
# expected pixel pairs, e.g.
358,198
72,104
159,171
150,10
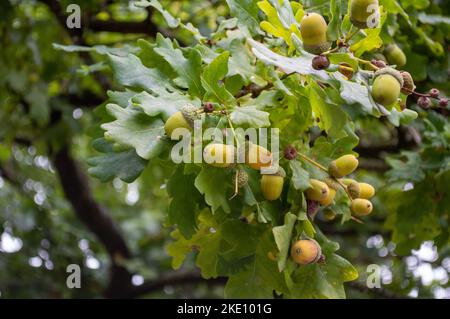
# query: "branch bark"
172,279
95,217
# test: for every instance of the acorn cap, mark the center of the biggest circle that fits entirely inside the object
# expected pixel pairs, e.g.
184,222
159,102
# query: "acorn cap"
317,49
332,183
359,24
393,72
408,83
242,178
190,114
354,189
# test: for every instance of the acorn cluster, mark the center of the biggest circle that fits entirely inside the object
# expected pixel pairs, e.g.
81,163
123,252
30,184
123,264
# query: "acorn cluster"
324,192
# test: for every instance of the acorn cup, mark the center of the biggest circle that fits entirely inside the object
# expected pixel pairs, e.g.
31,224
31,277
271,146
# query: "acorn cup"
241,177
305,252
408,83
313,29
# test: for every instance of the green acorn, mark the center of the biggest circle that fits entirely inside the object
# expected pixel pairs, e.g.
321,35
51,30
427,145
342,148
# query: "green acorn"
387,86
313,29
272,185
360,12
182,119
395,55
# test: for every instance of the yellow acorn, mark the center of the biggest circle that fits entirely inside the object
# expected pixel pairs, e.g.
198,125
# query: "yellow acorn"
257,157
318,191
272,185
348,181
329,215
367,191
220,155
343,166
329,199
361,207
305,252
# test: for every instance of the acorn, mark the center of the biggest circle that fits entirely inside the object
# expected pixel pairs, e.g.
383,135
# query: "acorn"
220,155
408,83
395,55
387,86
329,215
361,207
320,62
329,200
257,157
182,119
343,166
348,181
305,252
360,12
242,178
272,185
313,29
318,191
367,191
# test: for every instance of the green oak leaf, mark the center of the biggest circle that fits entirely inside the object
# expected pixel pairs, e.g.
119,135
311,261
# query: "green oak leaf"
164,102
283,236
246,11
323,281
210,183
130,72
261,277
135,129
188,69
250,116
126,165
212,77
183,207
300,177
301,64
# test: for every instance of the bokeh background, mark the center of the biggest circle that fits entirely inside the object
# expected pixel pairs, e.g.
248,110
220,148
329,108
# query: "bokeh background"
53,213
